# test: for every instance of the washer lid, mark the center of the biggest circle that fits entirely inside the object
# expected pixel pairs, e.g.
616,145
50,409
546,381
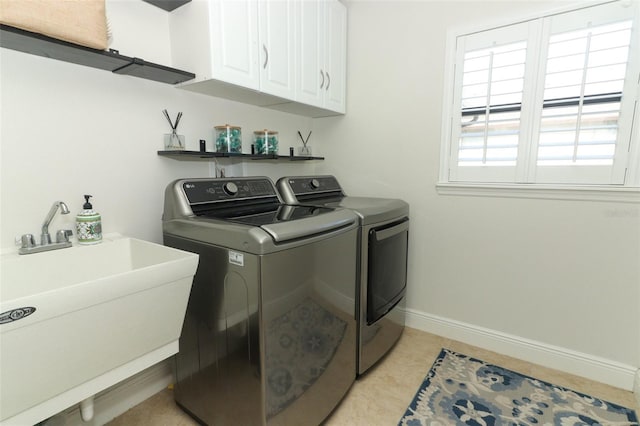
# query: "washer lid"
284,222
325,220
268,214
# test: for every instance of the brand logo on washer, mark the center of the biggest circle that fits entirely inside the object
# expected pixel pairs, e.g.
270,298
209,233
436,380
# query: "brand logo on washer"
16,314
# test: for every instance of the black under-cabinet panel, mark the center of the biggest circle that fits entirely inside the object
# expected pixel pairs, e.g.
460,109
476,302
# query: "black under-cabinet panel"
168,5
48,47
150,71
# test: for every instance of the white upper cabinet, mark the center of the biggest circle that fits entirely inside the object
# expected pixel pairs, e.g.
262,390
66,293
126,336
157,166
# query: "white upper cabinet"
310,52
217,40
277,54
335,56
321,35
234,48
283,54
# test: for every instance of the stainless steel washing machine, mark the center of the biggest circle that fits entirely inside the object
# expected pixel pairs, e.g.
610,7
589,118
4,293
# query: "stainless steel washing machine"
382,266
270,330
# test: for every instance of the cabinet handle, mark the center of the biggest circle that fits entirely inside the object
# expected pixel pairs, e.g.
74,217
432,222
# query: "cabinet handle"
322,83
266,56
328,81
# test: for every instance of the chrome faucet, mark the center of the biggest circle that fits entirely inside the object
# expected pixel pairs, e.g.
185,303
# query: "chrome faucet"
45,238
27,241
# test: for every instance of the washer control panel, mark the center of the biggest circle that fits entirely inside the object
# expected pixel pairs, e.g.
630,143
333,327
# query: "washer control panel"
202,191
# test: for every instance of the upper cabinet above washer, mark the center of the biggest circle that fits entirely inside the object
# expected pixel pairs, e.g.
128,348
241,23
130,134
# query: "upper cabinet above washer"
276,37
218,39
288,55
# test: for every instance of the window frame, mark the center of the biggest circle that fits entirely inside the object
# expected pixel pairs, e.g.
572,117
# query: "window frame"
629,191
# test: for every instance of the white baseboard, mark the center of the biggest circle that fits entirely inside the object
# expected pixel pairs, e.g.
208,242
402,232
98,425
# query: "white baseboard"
114,401
592,367
129,393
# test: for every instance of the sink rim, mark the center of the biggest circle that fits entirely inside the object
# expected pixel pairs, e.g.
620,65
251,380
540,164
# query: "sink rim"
65,298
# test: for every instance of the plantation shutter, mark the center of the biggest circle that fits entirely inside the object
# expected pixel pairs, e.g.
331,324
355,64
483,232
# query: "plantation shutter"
582,136
491,82
551,100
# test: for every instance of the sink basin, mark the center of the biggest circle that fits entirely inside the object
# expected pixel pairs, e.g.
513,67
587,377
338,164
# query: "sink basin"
76,321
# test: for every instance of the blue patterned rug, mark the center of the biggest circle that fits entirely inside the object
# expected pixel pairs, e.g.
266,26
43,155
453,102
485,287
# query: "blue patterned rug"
460,390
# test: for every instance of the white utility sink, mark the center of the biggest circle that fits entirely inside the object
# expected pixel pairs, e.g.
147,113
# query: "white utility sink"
102,313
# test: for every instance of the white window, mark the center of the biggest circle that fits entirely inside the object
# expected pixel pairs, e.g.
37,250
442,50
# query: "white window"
550,100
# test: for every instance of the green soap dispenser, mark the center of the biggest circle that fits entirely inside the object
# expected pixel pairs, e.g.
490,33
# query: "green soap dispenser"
88,224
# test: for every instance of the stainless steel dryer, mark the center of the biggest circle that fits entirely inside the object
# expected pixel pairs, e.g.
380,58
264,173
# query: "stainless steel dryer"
382,271
269,335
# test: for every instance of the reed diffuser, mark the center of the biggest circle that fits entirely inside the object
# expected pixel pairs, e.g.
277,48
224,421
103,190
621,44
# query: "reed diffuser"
173,141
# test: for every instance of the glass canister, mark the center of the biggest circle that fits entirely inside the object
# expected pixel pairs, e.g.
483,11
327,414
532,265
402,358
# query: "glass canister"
265,141
228,138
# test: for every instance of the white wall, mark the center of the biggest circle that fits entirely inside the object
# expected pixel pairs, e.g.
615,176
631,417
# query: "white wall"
69,130
572,275
558,273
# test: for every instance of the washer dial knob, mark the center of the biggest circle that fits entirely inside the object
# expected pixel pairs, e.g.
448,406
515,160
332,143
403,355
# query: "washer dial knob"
230,188
315,183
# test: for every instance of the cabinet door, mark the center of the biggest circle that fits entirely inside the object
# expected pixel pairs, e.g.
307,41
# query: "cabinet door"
335,59
310,52
276,47
234,42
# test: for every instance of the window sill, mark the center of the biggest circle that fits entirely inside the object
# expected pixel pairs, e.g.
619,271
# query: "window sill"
548,192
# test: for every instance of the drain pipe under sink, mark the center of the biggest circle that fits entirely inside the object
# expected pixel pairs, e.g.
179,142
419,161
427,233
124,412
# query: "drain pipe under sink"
86,409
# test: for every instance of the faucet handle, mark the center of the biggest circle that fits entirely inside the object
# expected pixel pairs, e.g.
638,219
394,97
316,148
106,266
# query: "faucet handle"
62,236
26,241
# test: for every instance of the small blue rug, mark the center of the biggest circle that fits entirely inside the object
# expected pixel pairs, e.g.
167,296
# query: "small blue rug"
460,390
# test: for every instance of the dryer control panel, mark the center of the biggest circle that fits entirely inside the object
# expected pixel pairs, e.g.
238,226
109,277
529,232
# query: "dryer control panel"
302,188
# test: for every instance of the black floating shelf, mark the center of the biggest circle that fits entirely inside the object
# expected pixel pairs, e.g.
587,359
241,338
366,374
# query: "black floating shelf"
48,47
207,156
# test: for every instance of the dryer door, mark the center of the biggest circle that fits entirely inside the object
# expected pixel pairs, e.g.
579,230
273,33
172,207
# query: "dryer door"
387,268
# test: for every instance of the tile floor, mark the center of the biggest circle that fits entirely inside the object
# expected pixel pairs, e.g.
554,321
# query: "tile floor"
382,395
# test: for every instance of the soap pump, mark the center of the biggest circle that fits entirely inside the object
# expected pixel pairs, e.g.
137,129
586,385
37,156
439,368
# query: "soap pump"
88,224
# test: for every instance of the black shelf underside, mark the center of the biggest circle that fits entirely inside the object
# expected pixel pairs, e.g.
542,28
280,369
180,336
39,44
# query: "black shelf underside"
41,45
168,5
206,156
